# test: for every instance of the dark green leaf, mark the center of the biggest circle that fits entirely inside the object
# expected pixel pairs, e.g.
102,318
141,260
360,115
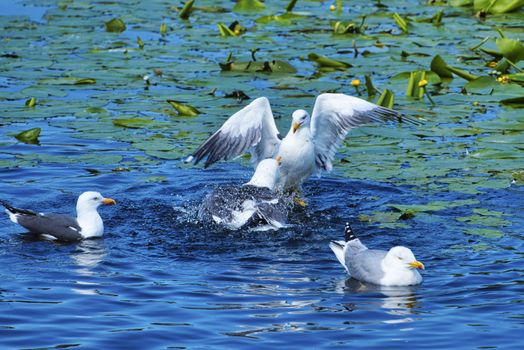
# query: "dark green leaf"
116,25
184,109
29,136
186,10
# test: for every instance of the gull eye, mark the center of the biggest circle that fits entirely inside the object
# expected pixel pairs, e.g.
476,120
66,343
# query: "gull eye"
400,258
96,198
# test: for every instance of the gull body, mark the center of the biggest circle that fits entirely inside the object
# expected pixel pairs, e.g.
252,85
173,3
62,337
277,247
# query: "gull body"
396,267
87,224
309,146
254,203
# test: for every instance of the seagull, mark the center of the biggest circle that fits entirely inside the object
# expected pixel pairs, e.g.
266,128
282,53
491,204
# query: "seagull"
87,224
253,203
309,146
396,267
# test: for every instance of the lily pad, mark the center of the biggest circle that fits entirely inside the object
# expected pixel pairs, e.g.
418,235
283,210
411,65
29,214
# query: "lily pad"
116,25
511,49
184,109
326,62
29,136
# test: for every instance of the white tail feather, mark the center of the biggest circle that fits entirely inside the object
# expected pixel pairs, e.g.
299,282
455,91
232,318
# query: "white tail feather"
338,248
12,216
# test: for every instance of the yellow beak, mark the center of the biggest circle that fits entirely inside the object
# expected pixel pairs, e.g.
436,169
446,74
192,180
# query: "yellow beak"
108,201
416,265
296,125
279,160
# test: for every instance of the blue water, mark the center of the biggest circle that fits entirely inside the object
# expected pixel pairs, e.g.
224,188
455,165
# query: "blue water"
159,279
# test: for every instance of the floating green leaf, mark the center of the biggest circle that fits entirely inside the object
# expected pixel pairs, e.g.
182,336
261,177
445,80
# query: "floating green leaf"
291,5
132,123
249,6
386,99
116,25
275,66
518,177
140,42
511,49
414,89
186,10
326,62
484,232
163,29
29,136
372,91
439,66
497,6
184,109
284,19
401,22
30,102
85,81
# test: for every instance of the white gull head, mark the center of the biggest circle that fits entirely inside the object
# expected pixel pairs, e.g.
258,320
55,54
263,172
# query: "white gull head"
300,117
87,216
400,267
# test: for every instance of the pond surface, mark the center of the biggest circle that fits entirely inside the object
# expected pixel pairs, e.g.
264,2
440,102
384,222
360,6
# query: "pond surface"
450,189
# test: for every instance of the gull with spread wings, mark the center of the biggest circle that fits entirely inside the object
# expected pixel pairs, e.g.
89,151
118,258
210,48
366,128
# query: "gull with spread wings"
309,146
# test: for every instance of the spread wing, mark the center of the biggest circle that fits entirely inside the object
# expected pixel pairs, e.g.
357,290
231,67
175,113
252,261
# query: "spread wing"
252,129
335,114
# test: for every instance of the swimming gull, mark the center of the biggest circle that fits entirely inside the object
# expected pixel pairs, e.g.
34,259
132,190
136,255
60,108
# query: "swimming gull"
309,146
252,204
396,267
87,224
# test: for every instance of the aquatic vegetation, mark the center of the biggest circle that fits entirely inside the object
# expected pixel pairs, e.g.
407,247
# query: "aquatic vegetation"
108,78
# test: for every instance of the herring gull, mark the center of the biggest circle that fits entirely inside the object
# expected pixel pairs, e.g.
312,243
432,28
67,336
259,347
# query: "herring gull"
87,223
309,146
254,203
396,267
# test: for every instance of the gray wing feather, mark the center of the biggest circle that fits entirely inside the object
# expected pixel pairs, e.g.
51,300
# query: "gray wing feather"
366,265
334,115
62,227
252,129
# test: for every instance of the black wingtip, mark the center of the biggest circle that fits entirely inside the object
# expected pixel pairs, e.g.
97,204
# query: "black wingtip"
6,205
16,210
348,233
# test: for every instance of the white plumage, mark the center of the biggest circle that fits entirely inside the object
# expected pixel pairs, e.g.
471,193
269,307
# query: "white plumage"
309,146
396,267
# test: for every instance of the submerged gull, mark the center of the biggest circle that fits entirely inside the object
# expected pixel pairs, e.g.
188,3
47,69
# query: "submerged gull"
253,203
309,146
396,267
87,224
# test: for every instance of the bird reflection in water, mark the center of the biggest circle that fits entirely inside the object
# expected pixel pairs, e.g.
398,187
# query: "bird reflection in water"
88,255
396,301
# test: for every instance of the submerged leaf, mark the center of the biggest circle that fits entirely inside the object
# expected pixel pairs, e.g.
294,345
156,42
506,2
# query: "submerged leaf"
29,136
184,109
116,25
